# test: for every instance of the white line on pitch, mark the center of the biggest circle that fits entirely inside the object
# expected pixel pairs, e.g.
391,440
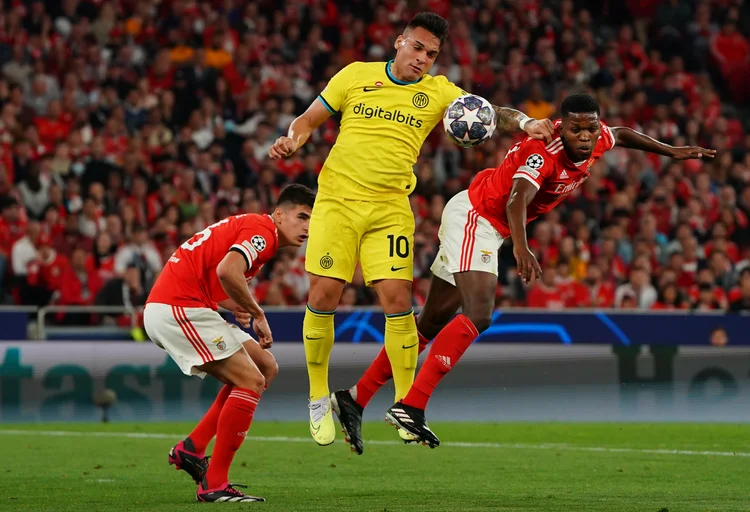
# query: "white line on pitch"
282,439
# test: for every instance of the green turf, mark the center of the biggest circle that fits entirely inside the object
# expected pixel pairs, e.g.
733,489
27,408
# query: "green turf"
94,473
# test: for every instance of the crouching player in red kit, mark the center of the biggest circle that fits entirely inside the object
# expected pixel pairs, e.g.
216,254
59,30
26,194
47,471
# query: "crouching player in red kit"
212,269
533,179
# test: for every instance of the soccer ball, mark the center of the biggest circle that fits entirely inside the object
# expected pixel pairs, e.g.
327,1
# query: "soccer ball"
469,121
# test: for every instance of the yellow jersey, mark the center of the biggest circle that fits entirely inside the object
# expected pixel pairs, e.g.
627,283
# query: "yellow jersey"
384,122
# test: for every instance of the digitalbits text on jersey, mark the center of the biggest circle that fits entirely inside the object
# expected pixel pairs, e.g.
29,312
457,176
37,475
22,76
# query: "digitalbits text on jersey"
381,113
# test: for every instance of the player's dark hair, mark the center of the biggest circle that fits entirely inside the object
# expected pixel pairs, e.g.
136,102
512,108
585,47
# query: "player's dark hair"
580,104
432,23
295,195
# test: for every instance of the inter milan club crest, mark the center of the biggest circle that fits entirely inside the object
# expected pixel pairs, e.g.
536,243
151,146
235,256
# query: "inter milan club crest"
535,161
326,261
420,100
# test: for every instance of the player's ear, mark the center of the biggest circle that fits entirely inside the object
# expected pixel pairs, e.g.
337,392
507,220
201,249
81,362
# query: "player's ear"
399,41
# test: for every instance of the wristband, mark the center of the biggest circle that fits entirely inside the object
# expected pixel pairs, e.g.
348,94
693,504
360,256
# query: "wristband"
523,122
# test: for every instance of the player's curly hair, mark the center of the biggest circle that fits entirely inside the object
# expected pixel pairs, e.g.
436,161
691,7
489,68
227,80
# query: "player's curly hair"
580,104
296,194
432,23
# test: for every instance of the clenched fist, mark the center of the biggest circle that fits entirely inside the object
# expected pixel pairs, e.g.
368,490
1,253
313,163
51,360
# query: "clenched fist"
282,148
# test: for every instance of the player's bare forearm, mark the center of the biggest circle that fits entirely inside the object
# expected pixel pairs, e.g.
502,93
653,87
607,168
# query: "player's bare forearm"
631,139
300,130
231,273
520,196
235,286
516,210
509,119
628,138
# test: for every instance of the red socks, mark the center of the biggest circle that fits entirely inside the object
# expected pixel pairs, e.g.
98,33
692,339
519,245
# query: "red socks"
447,349
234,422
377,375
206,429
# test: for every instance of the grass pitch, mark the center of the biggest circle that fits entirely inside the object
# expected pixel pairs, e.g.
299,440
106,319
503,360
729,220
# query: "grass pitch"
480,467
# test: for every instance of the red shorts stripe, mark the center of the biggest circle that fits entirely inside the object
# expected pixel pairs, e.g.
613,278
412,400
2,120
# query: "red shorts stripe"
196,336
470,231
188,334
464,244
473,239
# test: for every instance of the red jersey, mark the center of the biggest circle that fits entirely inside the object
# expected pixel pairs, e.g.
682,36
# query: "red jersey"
10,233
47,274
541,296
546,166
189,278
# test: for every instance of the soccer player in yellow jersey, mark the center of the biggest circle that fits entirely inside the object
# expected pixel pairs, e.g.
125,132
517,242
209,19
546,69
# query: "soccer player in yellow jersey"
362,211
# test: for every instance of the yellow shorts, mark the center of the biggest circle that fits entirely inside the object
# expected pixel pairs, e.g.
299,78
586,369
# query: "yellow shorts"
378,234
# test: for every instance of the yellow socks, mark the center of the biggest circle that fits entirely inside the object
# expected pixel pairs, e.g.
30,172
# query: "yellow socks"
317,331
402,347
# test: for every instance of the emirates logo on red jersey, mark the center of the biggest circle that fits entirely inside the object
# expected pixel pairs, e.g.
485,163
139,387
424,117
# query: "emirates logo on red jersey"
566,189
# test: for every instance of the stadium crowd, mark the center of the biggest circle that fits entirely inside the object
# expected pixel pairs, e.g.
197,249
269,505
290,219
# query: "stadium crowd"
126,126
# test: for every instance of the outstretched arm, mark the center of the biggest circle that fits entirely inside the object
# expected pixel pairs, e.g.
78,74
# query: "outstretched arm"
512,121
628,138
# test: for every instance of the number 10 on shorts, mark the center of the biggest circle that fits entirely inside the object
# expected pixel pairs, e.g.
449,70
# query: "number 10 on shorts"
399,246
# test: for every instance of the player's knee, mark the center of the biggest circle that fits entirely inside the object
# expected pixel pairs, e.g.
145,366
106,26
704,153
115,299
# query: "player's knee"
481,321
270,371
395,299
430,327
325,293
399,305
480,315
251,379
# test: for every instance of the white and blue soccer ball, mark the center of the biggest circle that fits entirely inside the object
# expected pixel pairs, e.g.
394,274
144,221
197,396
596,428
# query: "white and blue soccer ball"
469,120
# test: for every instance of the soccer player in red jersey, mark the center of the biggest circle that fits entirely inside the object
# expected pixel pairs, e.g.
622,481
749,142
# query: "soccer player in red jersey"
213,269
533,179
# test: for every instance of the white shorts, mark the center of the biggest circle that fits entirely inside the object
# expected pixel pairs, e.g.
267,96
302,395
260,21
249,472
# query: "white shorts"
192,336
467,241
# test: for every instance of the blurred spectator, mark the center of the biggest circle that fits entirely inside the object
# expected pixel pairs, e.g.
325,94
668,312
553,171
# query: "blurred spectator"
140,253
24,251
742,303
546,293
44,274
670,297
127,292
638,287
79,284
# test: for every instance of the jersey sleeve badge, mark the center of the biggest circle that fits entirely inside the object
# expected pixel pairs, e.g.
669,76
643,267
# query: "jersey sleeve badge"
535,161
258,243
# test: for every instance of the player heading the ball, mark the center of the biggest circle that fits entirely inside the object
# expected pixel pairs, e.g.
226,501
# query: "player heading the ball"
535,177
362,212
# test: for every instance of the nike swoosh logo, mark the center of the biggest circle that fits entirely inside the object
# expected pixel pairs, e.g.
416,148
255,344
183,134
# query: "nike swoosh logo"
396,269
370,89
410,346
316,430
313,339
